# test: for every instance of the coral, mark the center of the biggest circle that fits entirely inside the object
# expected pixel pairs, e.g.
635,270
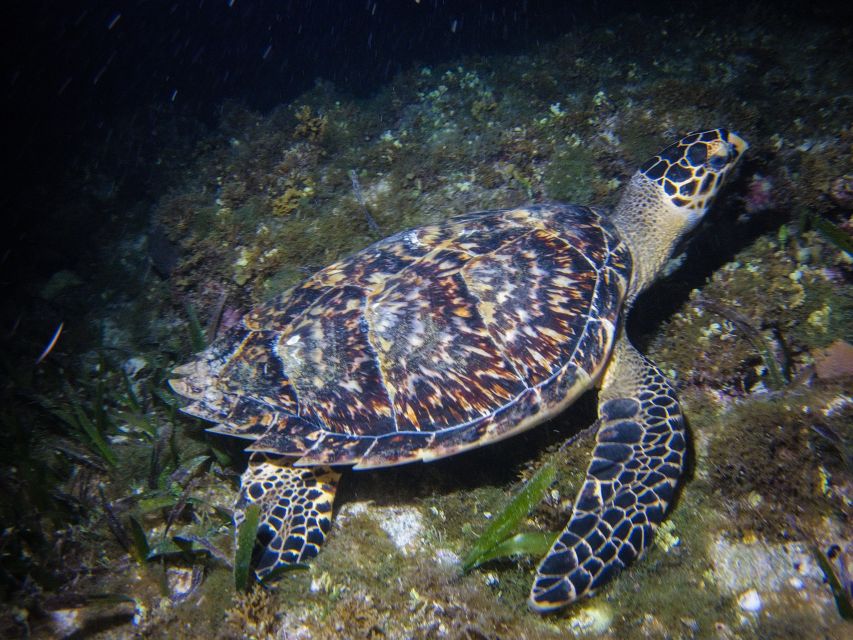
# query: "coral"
841,191
786,301
310,127
571,175
254,614
759,194
820,187
761,464
292,197
233,193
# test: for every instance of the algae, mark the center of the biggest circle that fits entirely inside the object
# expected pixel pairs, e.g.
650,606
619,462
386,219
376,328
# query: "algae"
496,541
246,533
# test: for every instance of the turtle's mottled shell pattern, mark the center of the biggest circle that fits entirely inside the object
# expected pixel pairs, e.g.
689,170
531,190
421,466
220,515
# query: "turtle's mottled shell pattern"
424,344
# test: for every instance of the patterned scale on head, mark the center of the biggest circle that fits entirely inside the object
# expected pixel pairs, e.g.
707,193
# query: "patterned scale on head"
459,334
680,169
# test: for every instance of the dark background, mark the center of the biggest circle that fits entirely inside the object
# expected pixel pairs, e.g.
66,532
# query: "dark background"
117,82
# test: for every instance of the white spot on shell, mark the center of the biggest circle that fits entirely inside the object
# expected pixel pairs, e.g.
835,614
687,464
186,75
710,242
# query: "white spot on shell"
412,239
351,385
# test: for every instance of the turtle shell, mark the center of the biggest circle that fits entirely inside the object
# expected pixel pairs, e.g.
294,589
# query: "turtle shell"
425,344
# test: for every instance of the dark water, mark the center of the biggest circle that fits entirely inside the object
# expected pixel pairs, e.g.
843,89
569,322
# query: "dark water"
118,86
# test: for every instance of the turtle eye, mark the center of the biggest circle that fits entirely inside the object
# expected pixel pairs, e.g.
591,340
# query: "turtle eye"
719,160
720,154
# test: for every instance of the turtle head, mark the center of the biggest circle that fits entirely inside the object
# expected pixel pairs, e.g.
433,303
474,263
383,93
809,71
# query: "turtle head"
690,172
668,196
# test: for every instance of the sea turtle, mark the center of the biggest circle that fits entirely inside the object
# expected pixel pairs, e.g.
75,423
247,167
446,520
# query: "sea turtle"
459,334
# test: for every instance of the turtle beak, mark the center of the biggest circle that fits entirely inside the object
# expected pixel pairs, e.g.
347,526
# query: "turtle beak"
738,144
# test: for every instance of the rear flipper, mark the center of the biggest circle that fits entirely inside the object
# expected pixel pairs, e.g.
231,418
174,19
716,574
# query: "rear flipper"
637,462
296,509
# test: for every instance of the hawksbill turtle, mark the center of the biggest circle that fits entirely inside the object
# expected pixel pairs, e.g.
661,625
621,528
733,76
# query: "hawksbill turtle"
459,334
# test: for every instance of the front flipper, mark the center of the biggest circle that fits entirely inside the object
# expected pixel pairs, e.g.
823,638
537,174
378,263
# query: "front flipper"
637,462
296,509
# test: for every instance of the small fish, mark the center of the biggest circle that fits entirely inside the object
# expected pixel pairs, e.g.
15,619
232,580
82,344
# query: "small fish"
15,326
52,343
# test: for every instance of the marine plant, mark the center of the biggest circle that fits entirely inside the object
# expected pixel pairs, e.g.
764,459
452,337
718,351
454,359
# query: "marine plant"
91,429
828,230
246,533
498,541
198,339
841,594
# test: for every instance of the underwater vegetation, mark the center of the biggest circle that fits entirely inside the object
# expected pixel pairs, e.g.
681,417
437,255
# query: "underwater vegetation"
117,510
497,542
246,533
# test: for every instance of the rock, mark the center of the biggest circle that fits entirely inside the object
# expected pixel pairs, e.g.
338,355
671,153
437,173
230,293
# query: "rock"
182,582
750,601
836,361
841,191
132,366
404,525
446,558
595,619
164,253
65,622
739,566
59,283
691,624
